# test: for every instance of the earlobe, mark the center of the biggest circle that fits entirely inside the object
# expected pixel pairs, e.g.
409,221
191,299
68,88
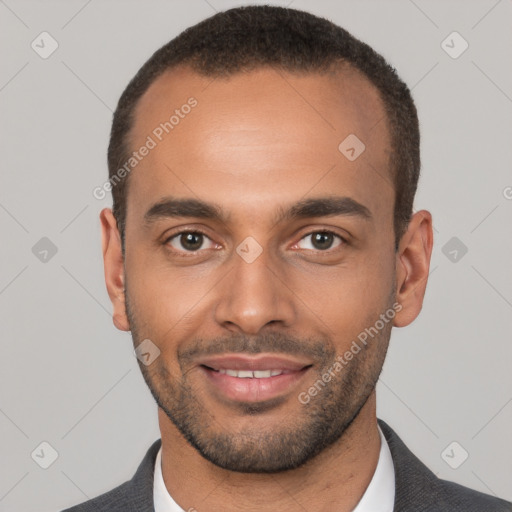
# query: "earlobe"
412,267
113,263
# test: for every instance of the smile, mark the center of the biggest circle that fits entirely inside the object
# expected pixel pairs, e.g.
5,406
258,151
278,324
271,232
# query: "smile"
248,374
244,378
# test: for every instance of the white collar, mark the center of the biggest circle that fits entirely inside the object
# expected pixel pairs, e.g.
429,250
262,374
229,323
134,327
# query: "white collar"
378,497
380,494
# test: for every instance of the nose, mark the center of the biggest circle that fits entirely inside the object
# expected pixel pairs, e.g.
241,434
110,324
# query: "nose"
253,295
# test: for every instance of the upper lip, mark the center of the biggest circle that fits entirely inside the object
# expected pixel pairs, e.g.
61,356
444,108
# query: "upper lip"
253,363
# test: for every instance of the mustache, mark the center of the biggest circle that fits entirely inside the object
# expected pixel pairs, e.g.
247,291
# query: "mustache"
269,342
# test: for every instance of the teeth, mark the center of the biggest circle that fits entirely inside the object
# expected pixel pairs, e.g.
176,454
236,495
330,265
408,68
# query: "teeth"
262,374
248,374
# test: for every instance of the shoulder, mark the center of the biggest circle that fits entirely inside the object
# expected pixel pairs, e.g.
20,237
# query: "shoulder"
135,495
109,501
418,489
458,497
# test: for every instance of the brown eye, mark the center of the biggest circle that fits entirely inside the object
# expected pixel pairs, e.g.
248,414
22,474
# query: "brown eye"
190,241
320,241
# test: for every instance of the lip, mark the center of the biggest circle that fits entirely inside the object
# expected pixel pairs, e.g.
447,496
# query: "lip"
253,389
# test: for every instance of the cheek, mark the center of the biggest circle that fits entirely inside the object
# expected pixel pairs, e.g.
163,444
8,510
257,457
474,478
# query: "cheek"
166,300
350,297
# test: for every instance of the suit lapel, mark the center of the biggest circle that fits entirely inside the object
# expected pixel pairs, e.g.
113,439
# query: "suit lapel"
415,484
140,488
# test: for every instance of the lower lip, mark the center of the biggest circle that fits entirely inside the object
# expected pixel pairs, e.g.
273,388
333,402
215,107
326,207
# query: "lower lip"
252,389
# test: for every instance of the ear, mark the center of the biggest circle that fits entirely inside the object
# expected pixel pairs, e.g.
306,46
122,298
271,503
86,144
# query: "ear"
412,267
114,267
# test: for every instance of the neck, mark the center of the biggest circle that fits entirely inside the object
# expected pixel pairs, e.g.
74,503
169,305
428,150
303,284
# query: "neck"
336,479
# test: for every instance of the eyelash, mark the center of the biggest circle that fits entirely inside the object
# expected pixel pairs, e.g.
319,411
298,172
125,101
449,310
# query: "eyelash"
184,253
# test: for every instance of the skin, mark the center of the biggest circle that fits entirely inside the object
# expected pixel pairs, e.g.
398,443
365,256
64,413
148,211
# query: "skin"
254,144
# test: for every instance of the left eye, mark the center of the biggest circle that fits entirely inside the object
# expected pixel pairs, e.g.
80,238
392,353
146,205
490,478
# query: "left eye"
320,241
190,241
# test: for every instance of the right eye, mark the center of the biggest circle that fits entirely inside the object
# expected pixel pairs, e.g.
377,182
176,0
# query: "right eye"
189,241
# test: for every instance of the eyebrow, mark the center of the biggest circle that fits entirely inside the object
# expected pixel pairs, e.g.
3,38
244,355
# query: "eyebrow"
171,207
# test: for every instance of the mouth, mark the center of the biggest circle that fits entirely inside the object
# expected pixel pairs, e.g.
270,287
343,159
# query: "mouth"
242,378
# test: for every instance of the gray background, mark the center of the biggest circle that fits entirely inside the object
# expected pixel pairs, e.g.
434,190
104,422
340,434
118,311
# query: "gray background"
69,378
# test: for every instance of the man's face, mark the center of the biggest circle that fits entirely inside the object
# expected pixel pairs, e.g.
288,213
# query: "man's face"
276,279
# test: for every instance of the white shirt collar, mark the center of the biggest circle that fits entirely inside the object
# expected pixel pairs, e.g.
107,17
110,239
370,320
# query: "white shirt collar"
380,494
161,497
378,497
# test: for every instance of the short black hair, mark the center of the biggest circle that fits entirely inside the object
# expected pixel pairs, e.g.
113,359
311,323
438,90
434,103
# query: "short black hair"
250,37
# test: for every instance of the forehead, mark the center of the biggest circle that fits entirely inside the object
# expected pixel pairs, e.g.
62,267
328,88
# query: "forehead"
260,138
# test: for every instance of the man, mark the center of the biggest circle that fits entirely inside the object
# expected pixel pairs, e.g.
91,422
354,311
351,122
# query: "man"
261,247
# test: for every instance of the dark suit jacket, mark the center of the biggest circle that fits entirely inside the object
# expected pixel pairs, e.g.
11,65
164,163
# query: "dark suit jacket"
417,488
